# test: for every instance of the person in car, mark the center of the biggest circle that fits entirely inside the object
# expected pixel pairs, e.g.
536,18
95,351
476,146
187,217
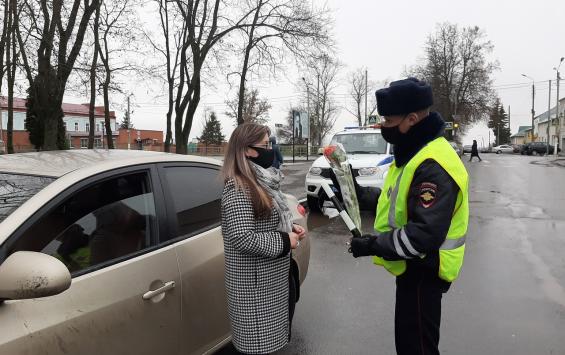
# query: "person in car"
258,235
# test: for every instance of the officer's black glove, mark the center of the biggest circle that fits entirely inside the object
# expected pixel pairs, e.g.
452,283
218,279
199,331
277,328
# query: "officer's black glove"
363,246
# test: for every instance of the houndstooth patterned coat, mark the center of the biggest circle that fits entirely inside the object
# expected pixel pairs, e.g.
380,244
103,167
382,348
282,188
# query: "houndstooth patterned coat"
257,270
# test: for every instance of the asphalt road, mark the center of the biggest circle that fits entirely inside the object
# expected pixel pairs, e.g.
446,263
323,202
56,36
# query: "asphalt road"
510,298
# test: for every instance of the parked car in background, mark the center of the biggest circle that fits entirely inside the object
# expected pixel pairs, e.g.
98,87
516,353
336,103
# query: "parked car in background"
368,153
467,148
503,149
115,252
457,147
537,148
517,148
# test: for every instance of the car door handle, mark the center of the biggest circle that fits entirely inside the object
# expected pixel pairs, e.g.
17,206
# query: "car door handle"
168,286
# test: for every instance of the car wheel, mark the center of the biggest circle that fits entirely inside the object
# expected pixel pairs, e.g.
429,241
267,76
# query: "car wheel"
313,204
535,153
498,152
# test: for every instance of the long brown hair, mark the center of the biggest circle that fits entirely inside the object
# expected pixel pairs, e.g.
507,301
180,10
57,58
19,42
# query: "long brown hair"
238,168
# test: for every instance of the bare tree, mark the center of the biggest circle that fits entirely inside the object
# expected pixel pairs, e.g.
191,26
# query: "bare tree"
252,109
117,36
3,40
323,73
11,59
173,38
359,89
279,27
53,26
456,66
93,78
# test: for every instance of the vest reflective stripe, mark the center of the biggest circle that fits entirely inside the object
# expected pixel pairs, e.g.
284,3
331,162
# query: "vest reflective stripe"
392,210
451,244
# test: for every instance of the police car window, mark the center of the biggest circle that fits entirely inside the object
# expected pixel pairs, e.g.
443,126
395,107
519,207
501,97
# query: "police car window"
362,143
99,224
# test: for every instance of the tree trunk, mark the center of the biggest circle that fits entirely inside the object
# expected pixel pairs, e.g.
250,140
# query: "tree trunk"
245,68
169,134
107,114
92,106
11,59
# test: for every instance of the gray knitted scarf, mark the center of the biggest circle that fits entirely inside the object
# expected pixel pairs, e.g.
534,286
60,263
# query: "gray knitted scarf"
270,179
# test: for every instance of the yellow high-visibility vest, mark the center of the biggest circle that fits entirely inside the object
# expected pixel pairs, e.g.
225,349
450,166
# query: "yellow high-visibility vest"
392,209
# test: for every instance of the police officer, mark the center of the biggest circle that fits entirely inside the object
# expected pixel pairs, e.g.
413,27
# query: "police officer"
422,214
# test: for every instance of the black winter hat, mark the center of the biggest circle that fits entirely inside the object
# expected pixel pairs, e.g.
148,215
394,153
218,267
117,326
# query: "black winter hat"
403,97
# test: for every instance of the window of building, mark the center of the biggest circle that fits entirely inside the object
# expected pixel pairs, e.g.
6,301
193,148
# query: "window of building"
97,143
84,142
87,127
98,127
76,126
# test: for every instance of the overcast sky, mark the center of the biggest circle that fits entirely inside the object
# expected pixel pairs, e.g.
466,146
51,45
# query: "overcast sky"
387,36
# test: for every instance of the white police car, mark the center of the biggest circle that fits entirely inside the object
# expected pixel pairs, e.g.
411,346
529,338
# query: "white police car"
368,153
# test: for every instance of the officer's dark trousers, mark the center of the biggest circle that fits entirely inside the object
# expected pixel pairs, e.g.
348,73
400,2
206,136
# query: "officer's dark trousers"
418,313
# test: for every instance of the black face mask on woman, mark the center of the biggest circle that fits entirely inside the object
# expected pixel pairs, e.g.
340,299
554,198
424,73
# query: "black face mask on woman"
265,157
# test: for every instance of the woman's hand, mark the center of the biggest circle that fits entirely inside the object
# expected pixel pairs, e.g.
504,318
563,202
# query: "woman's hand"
299,230
294,240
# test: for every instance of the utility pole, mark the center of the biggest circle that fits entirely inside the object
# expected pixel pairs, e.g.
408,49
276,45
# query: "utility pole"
548,117
318,112
129,124
557,110
308,142
509,119
533,101
366,93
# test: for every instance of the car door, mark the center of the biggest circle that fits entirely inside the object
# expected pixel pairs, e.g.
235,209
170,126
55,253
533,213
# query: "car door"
125,291
193,194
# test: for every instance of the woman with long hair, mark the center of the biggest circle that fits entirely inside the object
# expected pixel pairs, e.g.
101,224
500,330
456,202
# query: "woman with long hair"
258,235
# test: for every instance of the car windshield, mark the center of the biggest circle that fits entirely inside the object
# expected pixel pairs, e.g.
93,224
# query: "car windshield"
16,189
362,143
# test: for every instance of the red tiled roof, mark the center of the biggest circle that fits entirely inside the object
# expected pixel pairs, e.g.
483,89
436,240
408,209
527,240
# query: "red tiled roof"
68,109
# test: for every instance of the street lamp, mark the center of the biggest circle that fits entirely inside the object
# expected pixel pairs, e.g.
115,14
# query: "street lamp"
557,109
533,100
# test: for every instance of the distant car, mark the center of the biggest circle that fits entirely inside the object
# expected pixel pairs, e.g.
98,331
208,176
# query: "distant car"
116,252
467,148
517,148
504,148
458,149
537,148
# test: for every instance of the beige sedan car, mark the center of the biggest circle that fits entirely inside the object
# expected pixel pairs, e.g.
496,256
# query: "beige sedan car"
114,252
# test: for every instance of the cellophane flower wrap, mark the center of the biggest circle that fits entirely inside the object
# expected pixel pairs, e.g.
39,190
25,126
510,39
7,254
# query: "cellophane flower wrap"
337,158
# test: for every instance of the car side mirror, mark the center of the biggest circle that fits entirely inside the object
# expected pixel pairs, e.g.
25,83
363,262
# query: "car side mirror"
26,274
320,151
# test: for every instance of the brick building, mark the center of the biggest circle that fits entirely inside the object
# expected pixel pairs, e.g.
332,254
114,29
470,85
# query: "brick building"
76,120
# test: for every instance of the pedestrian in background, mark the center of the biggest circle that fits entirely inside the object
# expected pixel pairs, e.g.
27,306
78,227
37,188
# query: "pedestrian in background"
475,151
278,162
258,235
422,214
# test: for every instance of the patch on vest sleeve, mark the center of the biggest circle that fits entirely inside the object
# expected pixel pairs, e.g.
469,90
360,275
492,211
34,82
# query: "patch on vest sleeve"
428,192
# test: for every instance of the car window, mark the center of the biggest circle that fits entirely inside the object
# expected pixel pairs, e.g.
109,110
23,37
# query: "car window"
16,189
99,224
195,193
361,143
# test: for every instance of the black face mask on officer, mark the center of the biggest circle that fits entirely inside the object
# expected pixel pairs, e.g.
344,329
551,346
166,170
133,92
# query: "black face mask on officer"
264,158
393,134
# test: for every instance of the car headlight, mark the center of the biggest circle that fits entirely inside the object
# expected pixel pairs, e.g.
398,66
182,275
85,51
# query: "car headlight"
315,171
368,171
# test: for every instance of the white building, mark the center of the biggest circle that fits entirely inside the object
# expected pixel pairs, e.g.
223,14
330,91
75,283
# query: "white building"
543,122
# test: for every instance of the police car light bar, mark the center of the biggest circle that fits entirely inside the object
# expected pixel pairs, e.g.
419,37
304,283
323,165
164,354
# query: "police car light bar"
374,126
